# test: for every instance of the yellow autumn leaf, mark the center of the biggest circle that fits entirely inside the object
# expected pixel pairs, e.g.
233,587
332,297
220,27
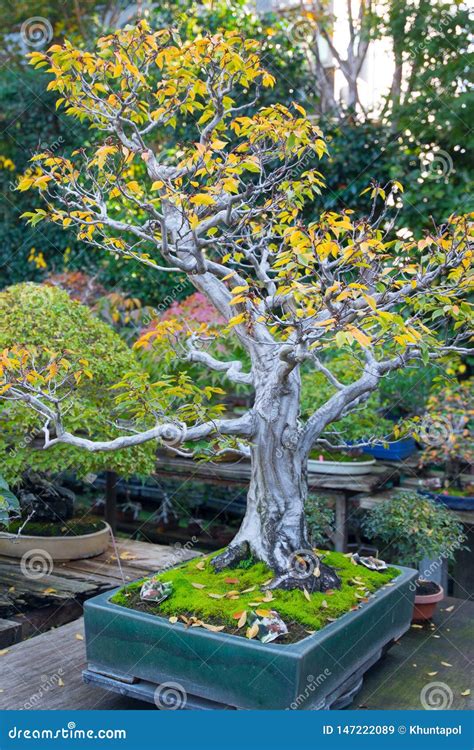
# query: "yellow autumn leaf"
202,199
133,186
252,631
360,336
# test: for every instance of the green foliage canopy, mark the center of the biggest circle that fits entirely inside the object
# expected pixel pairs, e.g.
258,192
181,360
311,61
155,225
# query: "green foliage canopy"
33,315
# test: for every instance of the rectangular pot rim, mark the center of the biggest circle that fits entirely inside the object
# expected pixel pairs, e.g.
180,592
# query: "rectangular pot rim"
297,649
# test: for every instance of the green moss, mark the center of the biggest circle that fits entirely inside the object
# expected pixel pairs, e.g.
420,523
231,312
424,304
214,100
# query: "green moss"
293,606
340,456
73,527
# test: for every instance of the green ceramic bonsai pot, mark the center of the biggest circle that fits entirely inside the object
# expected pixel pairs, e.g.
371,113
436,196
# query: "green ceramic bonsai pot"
134,653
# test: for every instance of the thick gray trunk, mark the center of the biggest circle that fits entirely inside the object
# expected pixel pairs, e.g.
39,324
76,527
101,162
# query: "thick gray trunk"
274,527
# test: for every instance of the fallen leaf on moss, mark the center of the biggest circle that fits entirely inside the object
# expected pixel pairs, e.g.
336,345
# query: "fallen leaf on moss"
252,631
255,604
201,565
231,594
231,580
268,597
324,604
173,619
216,596
307,594
198,585
263,612
266,583
247,591
242,619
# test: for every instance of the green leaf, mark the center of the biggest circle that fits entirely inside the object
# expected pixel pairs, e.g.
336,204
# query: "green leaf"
9,504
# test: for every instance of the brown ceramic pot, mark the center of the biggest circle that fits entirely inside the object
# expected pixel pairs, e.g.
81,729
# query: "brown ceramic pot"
425,605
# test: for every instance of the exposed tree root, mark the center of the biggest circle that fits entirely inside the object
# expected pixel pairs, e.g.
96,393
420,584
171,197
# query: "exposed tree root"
327,578
231,557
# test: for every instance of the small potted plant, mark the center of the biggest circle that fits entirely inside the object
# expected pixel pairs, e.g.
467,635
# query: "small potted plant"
446,432
412,528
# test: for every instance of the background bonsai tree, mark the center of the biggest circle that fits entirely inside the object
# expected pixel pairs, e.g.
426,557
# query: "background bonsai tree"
47,328
413,528
446,431
229,214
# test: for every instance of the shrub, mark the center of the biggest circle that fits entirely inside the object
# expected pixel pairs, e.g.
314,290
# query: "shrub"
34,315
412,527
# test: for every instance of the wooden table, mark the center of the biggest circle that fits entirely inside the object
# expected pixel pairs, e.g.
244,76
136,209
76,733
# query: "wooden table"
56,598
342,486
45,672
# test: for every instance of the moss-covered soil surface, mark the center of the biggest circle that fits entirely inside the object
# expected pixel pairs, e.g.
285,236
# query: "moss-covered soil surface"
219,600
72,527
340,456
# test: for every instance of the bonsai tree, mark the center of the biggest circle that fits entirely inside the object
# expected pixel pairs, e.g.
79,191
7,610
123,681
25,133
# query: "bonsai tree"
446,431
229,214
42,325
413,528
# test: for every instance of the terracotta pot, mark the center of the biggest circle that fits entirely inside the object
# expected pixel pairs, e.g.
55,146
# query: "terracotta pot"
425,605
